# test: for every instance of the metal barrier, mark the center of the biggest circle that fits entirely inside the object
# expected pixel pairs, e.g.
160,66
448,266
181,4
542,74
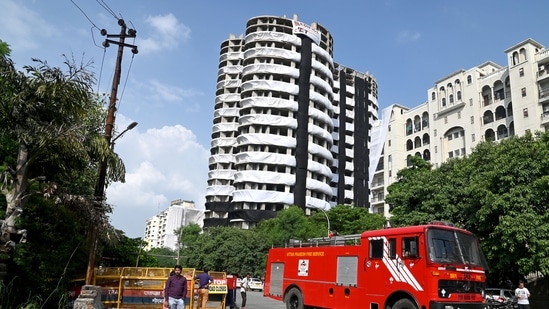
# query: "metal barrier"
143,287
138,287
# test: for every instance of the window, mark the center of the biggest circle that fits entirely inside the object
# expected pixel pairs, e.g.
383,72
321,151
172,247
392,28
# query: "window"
472,119
376,248
459,95
523,91
521,72
450,137
459,115
392,248
470,102
432,96
525,112
409,247
436,149
389,143
446,119
451,154
473,137
456,134
435,132
469,79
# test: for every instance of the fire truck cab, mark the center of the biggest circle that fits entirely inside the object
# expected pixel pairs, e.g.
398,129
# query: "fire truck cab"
432,266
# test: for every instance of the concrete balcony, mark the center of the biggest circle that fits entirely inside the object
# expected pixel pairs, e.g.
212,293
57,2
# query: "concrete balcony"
545,118
543,74
542,55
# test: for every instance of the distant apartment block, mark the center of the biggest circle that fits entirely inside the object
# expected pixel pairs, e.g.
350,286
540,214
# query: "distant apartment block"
290,126
159,229
464,108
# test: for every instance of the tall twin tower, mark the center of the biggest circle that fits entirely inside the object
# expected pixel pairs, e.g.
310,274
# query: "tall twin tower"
290,126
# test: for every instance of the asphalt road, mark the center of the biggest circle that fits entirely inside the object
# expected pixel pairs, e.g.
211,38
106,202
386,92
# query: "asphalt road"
256,300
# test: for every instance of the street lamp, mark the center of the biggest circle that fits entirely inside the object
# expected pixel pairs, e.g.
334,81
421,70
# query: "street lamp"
325,214
99,195
130,126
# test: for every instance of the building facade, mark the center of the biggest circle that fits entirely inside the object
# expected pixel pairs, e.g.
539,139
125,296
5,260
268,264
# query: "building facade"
291,126
160,229
464,108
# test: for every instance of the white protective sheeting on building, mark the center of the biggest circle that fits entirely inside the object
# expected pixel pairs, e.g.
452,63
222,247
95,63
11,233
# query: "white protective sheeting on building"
219,190
176,217
378,135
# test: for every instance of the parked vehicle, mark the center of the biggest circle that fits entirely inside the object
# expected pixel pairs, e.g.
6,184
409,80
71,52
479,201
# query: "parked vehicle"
256,284
500,298
427,266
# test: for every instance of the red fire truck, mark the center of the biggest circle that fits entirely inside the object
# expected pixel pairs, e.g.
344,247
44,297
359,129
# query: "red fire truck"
432,266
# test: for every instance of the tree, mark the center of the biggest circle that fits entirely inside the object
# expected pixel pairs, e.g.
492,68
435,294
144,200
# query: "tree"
348,220
4,49
290,223
50,116
228,249
499,192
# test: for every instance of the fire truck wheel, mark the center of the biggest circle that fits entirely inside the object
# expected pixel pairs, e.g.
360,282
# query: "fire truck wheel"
404,304
294,299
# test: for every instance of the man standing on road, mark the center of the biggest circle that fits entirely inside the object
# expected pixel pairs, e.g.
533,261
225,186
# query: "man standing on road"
175,290
204,280
244,287
522,295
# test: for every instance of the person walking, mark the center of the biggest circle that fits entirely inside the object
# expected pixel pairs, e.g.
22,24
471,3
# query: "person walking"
204,280
175,291
244,287
522,295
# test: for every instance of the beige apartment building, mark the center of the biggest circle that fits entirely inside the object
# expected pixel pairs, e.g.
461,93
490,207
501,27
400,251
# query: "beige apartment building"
486,102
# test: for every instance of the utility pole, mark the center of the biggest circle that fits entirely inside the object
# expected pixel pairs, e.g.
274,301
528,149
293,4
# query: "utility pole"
99,193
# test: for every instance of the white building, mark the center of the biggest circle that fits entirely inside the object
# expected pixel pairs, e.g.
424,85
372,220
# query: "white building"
486,102
159,229
290,127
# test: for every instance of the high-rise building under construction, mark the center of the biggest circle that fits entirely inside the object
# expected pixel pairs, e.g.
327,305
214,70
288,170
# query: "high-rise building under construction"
290,126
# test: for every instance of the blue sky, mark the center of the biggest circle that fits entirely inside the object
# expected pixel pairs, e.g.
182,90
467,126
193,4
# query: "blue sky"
169,87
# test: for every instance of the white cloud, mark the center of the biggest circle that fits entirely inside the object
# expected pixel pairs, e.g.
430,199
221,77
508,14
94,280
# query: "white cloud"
22,28
162,165
167,33
407,36
171,93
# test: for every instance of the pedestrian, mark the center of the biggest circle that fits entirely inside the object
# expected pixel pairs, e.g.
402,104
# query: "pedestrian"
204,280
175,291
244,287
522,295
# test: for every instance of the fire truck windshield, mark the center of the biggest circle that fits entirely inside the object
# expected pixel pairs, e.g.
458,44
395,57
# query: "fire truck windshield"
454,247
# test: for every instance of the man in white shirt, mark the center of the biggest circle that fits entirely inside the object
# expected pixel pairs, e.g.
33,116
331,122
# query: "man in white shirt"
522,295
244,287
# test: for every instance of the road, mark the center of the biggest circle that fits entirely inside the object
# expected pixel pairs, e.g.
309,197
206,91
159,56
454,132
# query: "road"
256,300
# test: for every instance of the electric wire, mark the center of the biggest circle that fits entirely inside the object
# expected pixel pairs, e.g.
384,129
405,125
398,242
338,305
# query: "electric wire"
85,14
91,22
126,81
107,8
101,69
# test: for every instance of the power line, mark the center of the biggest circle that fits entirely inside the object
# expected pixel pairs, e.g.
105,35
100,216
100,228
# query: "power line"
84,14
107,8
